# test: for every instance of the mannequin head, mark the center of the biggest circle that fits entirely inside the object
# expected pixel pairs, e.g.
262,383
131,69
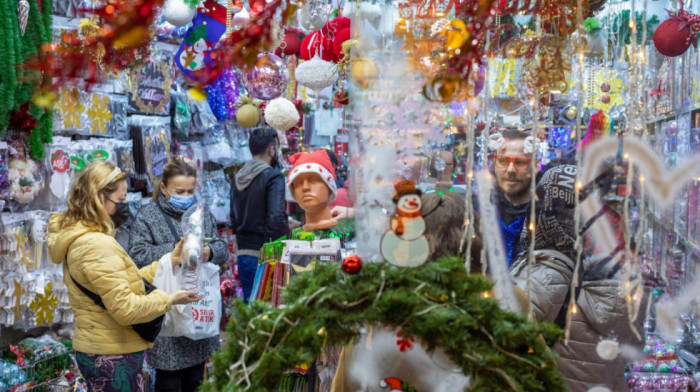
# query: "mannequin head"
311,184
311,192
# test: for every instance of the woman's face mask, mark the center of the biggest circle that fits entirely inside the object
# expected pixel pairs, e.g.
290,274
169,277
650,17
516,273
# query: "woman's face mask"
180,191
181,202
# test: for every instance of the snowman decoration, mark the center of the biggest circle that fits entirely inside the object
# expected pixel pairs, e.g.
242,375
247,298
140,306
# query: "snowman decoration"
404,244
192,58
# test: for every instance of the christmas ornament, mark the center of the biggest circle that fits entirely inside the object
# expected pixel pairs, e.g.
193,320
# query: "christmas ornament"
445,88
281,114
364,71
456,35
25,180
607,349
352,264
674,35
177,13
23,15
404,244
70,108
248,116
605,87
268,78
99,114
316,74
44,305
223,95
605,99
480,126
290,45
313,15
316,44
336,25
341,97
340,38
570,113
195,52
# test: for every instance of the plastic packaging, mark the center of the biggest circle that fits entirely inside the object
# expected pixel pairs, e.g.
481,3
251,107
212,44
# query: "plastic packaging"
192,226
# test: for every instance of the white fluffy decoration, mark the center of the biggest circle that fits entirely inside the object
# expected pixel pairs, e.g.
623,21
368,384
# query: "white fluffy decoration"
281,114
599,389
316,74
177,13
607,349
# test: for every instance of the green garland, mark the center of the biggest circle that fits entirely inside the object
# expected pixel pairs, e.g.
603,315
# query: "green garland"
621,27
439,303
17,83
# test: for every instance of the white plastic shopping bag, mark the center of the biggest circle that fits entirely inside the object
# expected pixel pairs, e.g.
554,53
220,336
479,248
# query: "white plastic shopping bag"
206,314
198,320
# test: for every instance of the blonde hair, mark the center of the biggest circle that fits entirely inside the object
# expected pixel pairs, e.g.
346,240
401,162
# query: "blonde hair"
84,202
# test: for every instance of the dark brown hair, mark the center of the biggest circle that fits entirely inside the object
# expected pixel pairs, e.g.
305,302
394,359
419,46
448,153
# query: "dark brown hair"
173,169
444,228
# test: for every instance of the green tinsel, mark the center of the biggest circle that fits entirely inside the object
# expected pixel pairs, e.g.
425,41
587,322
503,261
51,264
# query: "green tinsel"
17,83
621,27
591,25
439,303
192,3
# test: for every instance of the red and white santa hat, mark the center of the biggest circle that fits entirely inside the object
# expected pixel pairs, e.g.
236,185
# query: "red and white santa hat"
312,162
394,383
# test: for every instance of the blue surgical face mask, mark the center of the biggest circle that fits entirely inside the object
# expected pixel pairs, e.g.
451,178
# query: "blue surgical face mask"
181,202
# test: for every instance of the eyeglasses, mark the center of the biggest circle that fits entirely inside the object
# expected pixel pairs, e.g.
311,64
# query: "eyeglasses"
519,163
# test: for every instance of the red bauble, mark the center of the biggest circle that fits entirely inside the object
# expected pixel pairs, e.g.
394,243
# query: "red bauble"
315,43
335,25
352,264
671,38
605,87
605,99
480,126
292,44
340,38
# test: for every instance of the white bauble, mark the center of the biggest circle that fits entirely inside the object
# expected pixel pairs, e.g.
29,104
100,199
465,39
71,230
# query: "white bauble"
177,13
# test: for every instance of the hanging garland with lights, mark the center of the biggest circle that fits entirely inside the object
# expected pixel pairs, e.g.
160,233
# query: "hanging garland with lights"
329,306
26,28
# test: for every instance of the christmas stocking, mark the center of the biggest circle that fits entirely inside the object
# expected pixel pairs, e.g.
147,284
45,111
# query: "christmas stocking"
207,28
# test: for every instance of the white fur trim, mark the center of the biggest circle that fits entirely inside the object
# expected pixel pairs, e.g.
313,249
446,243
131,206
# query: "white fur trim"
311,167
529,144
496,141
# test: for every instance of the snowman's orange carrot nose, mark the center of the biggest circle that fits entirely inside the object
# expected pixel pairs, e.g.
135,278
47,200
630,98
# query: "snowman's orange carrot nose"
413,203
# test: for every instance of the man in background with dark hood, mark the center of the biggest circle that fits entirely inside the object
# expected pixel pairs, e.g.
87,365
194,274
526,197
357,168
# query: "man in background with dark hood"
258,206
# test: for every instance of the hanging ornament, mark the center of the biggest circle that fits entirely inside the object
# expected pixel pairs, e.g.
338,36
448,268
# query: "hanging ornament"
290,45
456,35
25,179
248,114
23,15
281,114
673,37
313,16
316,74
268,78
352,264
444,88
605,87
44,305
177,13
605,99
341,37
364,71
316,44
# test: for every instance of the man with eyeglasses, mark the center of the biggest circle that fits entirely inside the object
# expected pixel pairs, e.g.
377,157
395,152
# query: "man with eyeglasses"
511,165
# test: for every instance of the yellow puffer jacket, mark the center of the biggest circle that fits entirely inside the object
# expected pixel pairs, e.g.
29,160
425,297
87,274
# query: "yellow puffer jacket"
98,262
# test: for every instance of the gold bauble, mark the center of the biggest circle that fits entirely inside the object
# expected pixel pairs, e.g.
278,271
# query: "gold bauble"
571,113
364,71
248,116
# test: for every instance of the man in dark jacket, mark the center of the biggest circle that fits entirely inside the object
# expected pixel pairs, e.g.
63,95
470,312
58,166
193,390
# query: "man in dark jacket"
258,207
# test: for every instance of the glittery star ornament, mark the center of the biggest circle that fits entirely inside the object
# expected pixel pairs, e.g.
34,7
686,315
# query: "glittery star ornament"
17,294
99,114
24,256
44,305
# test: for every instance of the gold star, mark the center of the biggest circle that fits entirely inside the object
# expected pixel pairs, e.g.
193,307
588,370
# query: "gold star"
43,305
22,240
99,113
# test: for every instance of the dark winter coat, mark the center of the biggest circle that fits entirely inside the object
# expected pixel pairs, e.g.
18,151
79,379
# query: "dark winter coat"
258,206
150,239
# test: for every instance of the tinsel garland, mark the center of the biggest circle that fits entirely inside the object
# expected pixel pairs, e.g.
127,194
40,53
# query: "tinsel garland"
439,304
19,83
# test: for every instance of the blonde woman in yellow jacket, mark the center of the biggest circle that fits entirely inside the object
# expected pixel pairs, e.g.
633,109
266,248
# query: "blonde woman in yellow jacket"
108,351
